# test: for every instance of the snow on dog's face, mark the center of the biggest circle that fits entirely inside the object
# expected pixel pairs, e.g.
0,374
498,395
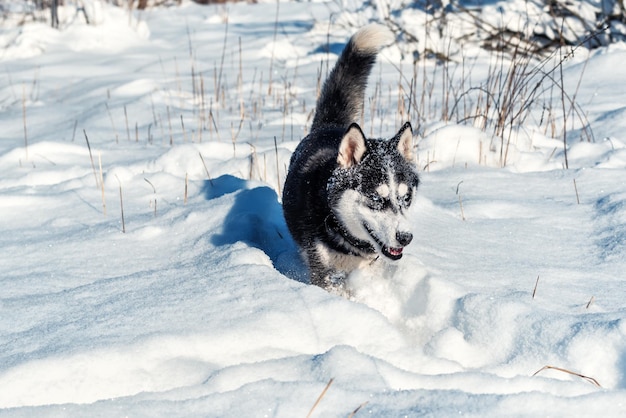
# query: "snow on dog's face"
372,188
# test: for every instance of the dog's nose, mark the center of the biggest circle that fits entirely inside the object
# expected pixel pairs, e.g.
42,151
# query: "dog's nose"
404,238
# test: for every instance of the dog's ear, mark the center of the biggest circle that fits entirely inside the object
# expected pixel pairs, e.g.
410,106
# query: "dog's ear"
403,141
352,147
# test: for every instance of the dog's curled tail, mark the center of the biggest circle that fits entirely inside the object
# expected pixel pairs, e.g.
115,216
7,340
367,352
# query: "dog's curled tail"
342,96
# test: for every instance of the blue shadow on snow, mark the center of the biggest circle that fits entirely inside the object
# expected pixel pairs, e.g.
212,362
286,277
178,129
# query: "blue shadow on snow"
256,218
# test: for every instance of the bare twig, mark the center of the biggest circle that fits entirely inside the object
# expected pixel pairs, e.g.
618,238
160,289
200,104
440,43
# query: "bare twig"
277,167
117,139
104,204
535,288
93,166
205,168
319,398
182,124
155,199
74,130
121,205
269,88
186,187
169,122
126,121
219,77
460,200
587,378
358,408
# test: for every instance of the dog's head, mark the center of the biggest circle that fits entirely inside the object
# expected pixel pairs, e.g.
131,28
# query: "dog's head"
372,188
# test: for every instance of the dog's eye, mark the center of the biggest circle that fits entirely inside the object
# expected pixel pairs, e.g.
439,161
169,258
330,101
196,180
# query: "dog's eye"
406,199
376,201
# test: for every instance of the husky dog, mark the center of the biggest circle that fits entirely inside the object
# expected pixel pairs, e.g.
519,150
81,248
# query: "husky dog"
346,196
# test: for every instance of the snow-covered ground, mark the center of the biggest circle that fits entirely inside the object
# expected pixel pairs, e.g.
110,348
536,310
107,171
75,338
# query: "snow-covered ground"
196,304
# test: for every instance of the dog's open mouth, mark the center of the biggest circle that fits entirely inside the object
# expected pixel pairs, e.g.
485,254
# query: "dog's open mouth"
393,253
389,252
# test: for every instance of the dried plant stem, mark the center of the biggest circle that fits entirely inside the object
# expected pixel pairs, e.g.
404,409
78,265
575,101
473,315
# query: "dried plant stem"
104,204
121,205
182,124
213,124
319,398
277,167
219,77
535,288
590,302
234,135
201,114
240,82
253,162
117,138
269,88
587,378
186,187
562,88
285,109
74,130
155,199
126,120
93,166
169,122
154,116
576,190
194,88
205,168
358,408
460,200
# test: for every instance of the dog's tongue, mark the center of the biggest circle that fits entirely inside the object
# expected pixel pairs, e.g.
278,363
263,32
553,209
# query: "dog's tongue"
395,251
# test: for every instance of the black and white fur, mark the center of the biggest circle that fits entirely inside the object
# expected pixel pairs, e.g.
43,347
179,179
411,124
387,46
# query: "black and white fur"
346,196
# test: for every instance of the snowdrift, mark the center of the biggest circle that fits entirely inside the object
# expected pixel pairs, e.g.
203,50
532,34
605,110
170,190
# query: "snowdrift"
194,301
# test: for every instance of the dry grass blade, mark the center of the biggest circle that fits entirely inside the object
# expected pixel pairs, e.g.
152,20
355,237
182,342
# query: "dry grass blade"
269,84
576,190
587,378
186,187
155,199
319,398
358,408
206,169
277,167
126,121
169,123
121,205
112,122
74,130
219,77
535,288
93,166
182,124
460,200
104,203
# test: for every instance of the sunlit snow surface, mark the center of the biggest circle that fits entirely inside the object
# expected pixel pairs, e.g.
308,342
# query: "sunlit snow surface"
201,307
